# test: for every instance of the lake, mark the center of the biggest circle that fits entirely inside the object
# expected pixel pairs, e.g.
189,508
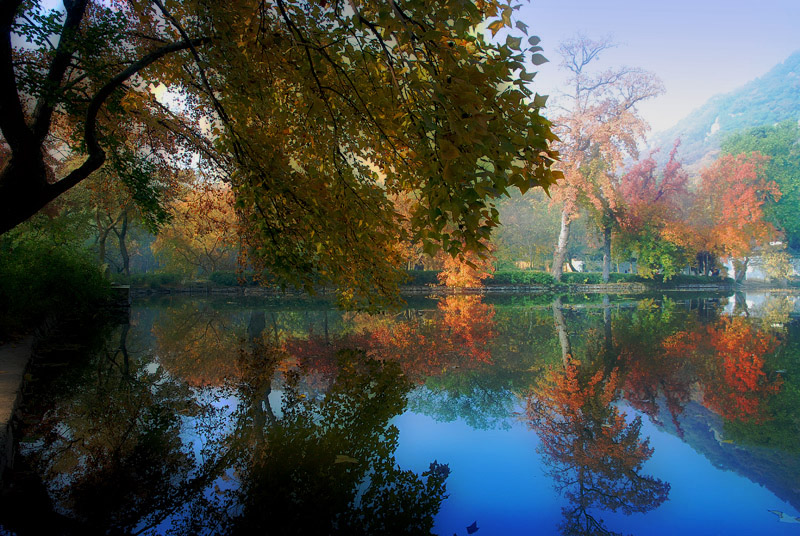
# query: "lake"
458,415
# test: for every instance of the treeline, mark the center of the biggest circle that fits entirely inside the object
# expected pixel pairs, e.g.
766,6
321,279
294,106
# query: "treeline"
665,222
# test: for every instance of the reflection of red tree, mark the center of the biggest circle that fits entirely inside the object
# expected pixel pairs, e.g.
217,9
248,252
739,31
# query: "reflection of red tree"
736,385
663,371
726,359
458,336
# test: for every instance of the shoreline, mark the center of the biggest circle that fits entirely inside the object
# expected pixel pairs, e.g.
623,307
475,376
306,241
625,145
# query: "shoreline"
568,288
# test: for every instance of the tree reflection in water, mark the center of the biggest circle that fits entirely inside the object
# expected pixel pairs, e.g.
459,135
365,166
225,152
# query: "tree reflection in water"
234,418
325,465
595,455
116,459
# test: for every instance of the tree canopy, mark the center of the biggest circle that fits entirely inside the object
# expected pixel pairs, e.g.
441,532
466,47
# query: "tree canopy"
316,113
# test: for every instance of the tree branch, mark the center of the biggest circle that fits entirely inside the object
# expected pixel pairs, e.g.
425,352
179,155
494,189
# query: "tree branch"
96,153
43,112
12,116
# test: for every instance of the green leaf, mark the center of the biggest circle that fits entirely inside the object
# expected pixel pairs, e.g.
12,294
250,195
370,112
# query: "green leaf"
513,42
538,59
539,101
534,40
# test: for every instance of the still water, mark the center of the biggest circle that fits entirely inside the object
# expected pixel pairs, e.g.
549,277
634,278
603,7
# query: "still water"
457,415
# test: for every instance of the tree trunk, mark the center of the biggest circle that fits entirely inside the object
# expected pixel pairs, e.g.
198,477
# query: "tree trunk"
561,248
563,334
607,333
606,253
101,246
740,270
123,247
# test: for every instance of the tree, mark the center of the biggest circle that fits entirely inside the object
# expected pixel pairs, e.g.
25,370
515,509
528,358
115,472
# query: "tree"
465,271
727,215
315,112
780,143
529,228
598,127
202,235
654,206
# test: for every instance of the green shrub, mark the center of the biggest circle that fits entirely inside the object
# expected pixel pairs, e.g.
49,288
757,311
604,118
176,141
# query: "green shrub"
520,277
39,278
154,280
582,278
422,277
231,279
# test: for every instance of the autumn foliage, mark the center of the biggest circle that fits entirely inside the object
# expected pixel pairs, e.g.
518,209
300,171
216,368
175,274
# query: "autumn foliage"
456,337
203,234
727,215
735,384
595,452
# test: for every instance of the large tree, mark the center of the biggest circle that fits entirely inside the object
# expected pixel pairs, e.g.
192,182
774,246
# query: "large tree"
316,112
599,126
726,218
781,143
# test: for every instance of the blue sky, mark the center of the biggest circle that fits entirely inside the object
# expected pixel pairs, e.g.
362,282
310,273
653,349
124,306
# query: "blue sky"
698,48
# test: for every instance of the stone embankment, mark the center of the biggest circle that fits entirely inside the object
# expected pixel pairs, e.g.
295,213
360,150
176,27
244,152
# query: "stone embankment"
14,357
608,288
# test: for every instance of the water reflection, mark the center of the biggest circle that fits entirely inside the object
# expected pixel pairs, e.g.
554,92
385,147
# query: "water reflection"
325,464
595,455
138,449
220,418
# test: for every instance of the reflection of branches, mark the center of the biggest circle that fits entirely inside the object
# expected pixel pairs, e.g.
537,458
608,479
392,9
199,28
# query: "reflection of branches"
595,455
325,465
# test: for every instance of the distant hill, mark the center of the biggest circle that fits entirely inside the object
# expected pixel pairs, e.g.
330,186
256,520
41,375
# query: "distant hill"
767,100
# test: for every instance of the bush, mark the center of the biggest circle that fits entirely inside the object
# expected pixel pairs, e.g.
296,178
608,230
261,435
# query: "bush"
422,277
37,279
520,277
232,279
154,280
582,278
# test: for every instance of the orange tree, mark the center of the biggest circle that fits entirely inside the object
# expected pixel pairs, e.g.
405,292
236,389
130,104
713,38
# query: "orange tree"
727,213
315,112
202,235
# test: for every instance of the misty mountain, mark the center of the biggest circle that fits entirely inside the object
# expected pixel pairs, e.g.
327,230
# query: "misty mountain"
767,100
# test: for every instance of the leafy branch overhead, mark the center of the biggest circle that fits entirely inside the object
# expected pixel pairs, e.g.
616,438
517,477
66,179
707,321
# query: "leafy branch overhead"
319,114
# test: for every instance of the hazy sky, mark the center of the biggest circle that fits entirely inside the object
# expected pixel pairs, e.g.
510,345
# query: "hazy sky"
697,47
